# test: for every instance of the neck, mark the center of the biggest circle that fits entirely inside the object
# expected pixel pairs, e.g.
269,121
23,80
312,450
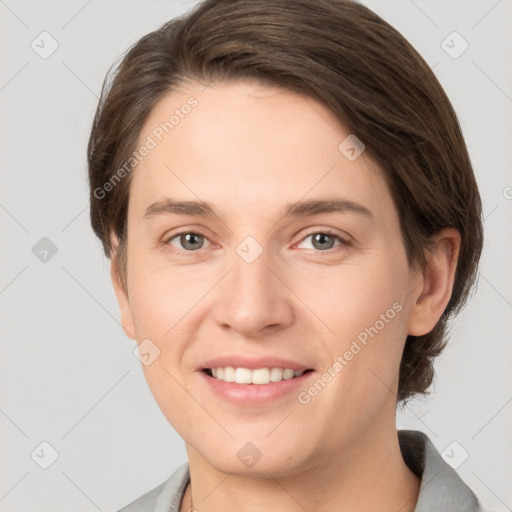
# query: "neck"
370,474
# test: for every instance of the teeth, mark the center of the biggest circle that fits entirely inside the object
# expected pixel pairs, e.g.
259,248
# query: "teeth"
259,376
242,376
229,374
276,374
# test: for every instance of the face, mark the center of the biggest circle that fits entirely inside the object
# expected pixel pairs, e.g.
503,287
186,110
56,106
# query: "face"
255,243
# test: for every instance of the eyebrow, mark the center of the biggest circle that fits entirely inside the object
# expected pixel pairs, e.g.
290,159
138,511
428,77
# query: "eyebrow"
169,206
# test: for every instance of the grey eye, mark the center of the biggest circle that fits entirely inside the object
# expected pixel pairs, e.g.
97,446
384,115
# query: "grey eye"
188,241
322,241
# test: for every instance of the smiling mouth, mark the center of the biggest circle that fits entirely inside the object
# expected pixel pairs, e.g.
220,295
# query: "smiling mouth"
259,376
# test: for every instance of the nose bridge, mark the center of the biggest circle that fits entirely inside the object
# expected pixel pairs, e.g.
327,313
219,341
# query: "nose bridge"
252,298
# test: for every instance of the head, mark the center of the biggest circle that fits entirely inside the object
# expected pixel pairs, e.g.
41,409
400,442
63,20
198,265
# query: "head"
254,110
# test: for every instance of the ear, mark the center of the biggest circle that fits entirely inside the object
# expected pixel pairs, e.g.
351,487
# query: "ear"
121,294
432,294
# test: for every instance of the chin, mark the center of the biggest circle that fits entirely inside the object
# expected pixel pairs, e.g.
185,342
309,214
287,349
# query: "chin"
258,457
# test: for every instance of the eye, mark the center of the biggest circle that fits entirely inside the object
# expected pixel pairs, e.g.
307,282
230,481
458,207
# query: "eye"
188,241
323,240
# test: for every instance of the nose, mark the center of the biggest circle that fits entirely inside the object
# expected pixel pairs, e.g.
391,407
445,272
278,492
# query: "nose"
253,299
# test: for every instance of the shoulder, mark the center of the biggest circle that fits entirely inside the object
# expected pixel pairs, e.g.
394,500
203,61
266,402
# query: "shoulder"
166,497
442,489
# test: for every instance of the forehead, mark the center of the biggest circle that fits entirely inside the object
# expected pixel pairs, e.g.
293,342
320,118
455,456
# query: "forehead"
248,144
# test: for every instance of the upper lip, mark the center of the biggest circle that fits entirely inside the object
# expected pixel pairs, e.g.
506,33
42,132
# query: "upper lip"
253,363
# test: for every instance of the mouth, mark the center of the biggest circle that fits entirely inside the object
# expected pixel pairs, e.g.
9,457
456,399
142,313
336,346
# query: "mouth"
258,376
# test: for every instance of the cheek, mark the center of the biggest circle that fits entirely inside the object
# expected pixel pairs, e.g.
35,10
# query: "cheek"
162,303
365,310
161,297
355,298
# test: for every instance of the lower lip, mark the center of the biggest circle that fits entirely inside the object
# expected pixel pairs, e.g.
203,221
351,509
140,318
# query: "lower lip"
254,394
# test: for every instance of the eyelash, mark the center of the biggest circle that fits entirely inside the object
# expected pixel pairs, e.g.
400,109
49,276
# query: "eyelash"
343,241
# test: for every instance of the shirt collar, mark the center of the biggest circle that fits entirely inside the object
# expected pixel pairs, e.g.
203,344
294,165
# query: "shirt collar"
441,489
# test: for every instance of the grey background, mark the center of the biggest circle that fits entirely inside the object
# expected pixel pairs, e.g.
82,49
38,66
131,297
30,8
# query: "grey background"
68,373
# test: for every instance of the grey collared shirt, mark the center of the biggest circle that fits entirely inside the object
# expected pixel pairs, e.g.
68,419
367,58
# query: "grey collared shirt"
441,490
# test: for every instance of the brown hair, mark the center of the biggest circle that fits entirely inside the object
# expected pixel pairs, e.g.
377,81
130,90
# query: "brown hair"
341,54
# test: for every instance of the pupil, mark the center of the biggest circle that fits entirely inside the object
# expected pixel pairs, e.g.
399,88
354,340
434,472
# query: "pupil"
321,238
189,241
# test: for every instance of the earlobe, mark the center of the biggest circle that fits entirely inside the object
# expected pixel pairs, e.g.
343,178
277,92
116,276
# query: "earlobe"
122,295
433,293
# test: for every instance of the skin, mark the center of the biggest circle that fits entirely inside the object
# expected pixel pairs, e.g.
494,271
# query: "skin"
250,149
